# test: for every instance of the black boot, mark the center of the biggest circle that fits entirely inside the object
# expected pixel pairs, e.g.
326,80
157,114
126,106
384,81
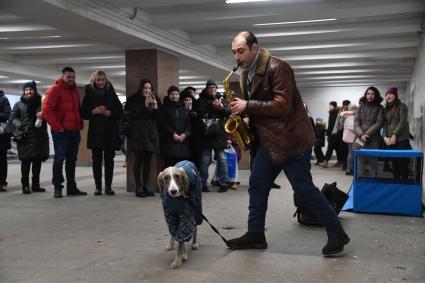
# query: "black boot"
109,191
147,192
139,192
26,189
335,243
98,191
3,188
58,194
74,192
37,189
250,240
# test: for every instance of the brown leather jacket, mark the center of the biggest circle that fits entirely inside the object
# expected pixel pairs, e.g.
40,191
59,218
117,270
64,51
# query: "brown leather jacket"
277,110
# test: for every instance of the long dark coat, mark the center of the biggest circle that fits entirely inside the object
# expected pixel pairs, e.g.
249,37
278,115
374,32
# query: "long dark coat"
4,116
174,119
142,125
205,109
34,142
103,131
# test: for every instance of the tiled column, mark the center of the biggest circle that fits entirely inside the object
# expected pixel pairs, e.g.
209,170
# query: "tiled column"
163,70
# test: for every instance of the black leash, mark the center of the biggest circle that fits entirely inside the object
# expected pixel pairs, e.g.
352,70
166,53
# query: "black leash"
192,205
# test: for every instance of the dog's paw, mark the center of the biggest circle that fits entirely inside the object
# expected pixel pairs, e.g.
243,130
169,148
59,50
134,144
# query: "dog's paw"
195,246
169,247
176,264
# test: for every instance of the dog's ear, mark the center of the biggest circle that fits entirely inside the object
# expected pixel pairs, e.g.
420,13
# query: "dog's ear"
184,180
160,182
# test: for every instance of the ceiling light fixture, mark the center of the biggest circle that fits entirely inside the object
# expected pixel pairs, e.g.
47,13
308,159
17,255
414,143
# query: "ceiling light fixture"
295,22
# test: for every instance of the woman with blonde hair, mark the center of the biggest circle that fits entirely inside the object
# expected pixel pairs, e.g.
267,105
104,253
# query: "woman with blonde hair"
103,109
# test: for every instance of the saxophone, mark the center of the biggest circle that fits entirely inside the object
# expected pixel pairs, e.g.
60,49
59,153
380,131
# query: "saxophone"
235,126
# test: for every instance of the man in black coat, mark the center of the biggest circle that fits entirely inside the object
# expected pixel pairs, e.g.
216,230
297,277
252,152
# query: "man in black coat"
4,141
212,112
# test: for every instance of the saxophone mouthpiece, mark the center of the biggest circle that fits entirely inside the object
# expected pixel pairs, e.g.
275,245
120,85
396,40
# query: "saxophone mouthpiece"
235,67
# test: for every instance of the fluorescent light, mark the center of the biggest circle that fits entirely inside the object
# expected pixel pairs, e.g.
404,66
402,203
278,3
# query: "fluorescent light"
315,46
48,46
105,67
295,22
305,32
19,81
243,1
3,77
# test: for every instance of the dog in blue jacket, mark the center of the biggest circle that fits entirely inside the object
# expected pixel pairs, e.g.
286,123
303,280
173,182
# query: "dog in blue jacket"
181,192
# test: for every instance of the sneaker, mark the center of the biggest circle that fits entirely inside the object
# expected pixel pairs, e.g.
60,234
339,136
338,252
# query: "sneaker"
75,192
335,244
324,163
58,194
250,240
222,189
205,189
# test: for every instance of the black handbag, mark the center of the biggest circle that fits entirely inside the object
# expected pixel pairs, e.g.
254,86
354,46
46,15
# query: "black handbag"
335,197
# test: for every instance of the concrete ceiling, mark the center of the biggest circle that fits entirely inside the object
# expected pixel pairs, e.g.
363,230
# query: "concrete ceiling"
352,43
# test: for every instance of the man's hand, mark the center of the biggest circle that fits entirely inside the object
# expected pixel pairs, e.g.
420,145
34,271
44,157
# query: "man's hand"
107,113
39,115
364,138
217,104
393,139
238,106
176,137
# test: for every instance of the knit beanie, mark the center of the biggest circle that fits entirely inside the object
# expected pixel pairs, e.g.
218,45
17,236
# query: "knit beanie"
392,90
172,88
30,84
210,82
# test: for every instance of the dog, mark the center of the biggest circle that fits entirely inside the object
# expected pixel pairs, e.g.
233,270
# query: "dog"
179,185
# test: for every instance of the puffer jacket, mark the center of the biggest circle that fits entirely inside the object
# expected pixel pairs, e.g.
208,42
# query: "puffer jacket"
276,109
33,143
4,116
396,122
61,108
368,120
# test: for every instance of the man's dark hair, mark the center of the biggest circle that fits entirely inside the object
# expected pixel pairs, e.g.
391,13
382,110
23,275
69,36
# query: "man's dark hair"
251,39
67,69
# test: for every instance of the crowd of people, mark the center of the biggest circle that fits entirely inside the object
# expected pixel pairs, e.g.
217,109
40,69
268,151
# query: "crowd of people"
373,124
182,126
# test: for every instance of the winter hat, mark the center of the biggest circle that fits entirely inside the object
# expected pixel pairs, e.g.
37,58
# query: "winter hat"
1,92
186,93
333,103
189,88
30,84
211,82
319,119
392,90
172,88
346,102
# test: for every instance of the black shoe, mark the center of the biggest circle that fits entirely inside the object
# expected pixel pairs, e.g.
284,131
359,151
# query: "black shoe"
147,192
349,173
250,240
275,186
215,183
37,189
205,189
75,192
222,189
109,192
3,188
139,192
58,194
335,244
98,192
26,189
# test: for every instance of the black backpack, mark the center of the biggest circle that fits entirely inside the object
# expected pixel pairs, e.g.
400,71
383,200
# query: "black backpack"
335,197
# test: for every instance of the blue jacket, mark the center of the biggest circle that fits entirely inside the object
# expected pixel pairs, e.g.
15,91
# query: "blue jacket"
179,214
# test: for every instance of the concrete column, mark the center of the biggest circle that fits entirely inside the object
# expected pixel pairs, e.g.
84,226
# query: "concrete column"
84,154
244,162
163,70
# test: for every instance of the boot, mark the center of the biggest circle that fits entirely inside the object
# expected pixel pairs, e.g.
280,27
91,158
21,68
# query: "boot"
324,163
147,192
74,192
37,189
109,191
3,188
58,194
335,243
98,191
26,189
250,240
139,192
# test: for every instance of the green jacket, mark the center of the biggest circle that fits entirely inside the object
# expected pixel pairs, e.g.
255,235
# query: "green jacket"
396,122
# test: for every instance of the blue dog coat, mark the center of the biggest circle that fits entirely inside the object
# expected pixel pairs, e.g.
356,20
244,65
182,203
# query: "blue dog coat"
179,215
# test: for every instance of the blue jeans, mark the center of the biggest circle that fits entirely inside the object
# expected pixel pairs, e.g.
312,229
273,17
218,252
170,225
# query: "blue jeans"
221,166
297,170
66,145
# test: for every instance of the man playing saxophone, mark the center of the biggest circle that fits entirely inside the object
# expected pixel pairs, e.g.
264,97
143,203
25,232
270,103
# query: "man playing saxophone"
283,138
